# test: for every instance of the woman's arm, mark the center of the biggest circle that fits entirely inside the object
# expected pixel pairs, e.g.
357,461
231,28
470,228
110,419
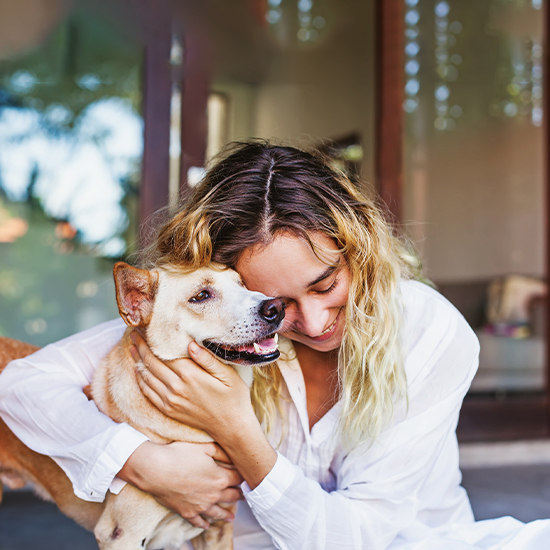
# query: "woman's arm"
42,402
186,478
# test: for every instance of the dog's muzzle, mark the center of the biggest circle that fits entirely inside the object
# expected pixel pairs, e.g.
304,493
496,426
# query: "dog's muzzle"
264,348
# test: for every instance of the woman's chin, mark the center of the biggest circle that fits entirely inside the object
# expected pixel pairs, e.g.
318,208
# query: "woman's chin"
323,345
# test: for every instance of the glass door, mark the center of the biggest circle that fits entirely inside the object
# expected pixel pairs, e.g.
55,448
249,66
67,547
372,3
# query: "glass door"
70,153
474,174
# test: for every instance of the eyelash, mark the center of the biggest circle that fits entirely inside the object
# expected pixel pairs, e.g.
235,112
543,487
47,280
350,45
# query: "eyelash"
329,289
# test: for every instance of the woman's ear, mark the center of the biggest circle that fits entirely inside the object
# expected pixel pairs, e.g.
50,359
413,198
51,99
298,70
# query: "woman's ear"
135,293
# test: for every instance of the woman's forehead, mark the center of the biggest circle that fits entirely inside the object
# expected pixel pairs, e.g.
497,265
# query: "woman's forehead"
292,246
287,259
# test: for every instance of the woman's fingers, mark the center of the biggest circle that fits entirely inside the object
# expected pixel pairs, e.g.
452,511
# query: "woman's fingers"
209,363
173,372
219,513
217,453
154,365
178,372
231,495
215,513
198,521
161,385
233,478
151,389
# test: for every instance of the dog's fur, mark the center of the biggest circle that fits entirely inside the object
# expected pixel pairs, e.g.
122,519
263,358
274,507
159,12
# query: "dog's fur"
170,308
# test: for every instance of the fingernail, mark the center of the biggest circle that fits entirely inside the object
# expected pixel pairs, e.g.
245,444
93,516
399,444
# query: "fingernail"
194,348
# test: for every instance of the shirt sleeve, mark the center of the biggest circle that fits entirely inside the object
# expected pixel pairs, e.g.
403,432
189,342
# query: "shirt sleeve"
42,402
408,474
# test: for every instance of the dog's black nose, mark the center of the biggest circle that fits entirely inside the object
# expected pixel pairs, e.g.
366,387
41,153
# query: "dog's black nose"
272,311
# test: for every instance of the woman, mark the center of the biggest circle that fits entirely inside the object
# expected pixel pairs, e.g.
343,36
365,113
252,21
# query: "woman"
360,415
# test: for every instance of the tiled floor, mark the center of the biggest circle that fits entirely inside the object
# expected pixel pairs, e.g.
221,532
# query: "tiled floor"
27,523
519,491
523,492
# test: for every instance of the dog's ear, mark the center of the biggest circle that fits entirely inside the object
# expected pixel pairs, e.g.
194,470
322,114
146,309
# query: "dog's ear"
135,293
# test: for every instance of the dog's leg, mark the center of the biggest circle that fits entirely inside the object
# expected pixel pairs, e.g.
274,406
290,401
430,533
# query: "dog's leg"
133,520
219,536
128,520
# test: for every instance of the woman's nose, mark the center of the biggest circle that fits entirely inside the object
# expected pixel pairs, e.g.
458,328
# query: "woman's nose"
308,317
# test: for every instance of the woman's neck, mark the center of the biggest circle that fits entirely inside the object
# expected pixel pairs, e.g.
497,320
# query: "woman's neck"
320,371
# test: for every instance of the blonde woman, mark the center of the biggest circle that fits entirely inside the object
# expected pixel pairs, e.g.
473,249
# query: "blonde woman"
350,441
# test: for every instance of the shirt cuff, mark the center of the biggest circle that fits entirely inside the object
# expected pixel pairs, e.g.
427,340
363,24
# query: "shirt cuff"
272,487
110,462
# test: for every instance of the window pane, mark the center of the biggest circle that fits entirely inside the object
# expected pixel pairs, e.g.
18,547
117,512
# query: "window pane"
70,152
475,194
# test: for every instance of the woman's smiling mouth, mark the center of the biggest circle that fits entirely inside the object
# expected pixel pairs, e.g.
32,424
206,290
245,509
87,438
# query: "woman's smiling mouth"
329,331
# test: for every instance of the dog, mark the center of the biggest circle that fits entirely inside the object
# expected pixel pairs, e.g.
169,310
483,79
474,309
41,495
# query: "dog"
170,306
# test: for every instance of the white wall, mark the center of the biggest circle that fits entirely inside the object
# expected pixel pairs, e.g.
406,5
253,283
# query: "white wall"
308,93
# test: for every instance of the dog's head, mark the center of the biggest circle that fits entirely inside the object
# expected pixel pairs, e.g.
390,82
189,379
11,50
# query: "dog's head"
172,307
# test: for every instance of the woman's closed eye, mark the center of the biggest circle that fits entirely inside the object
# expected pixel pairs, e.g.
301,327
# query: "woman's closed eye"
329,289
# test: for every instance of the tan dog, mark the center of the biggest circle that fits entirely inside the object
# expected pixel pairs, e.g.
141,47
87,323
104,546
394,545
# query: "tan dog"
172,307
19,465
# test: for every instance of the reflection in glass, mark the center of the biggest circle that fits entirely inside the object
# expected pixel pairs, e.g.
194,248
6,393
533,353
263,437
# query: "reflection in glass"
474,184
70,150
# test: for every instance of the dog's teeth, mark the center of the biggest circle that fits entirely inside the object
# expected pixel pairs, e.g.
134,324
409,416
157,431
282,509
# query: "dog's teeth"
276,338
257,348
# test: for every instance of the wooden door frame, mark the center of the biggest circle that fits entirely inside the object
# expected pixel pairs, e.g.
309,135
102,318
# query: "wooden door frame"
156,22
388,104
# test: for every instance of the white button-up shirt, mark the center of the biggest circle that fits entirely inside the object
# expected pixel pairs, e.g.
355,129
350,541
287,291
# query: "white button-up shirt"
401,491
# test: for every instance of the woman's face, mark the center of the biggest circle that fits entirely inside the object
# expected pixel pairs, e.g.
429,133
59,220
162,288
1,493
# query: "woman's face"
315,293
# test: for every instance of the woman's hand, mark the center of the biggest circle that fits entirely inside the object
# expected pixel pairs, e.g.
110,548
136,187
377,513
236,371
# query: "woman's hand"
207,394
201,392
186,478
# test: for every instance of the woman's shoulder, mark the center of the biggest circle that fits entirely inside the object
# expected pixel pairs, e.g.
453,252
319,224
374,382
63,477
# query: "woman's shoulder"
435,334
424,306
419,294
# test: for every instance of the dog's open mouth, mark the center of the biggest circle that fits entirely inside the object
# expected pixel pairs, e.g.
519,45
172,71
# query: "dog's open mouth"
264,351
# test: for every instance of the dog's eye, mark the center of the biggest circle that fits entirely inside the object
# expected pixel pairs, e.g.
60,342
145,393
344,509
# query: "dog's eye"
201,296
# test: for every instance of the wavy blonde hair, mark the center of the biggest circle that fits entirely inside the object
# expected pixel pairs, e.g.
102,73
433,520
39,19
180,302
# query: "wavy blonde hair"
257,191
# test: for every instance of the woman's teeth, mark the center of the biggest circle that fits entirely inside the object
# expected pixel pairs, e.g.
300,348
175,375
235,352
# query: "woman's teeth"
329,328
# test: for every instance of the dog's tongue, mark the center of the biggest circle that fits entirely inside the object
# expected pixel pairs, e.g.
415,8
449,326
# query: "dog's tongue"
263,347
